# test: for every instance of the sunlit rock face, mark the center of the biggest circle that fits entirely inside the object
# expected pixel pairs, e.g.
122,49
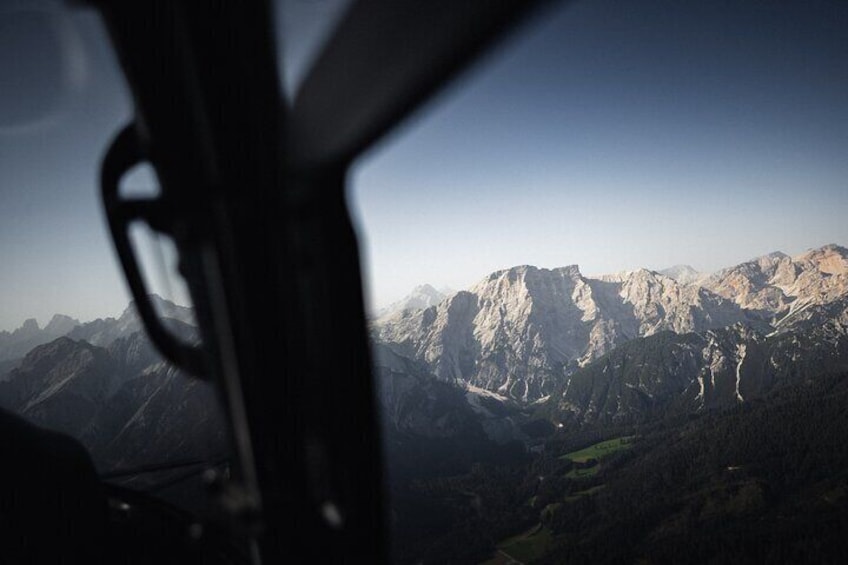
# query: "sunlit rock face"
781,286
519,332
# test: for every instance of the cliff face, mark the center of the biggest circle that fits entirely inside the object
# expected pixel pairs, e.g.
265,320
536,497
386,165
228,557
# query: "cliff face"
520,331
684,373
780,286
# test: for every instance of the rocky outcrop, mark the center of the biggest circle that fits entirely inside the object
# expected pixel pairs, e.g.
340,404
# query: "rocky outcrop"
672,373
414,403
781,286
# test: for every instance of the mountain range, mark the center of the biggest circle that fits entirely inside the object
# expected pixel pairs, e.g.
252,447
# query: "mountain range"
102,331
522,345
105,384
482,392
14,345
684,373
525,332
724,393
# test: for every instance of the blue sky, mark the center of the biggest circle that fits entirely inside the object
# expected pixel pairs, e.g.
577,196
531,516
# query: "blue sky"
611,134
618,135
54,248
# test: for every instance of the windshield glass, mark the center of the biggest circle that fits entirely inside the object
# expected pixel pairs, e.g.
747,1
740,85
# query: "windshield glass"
606,277
608,290
73,356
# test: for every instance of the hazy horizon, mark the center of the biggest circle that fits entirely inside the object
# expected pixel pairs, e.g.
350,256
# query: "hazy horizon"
441,287
606,134
592,274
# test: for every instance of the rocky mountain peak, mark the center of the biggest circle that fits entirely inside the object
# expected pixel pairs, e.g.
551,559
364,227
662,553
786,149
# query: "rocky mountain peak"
56,347
830,259
104,331
16,344
60,324
520,330
526,282
426,289
421,297
780,285
163,307
29,327
773,257
684,274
